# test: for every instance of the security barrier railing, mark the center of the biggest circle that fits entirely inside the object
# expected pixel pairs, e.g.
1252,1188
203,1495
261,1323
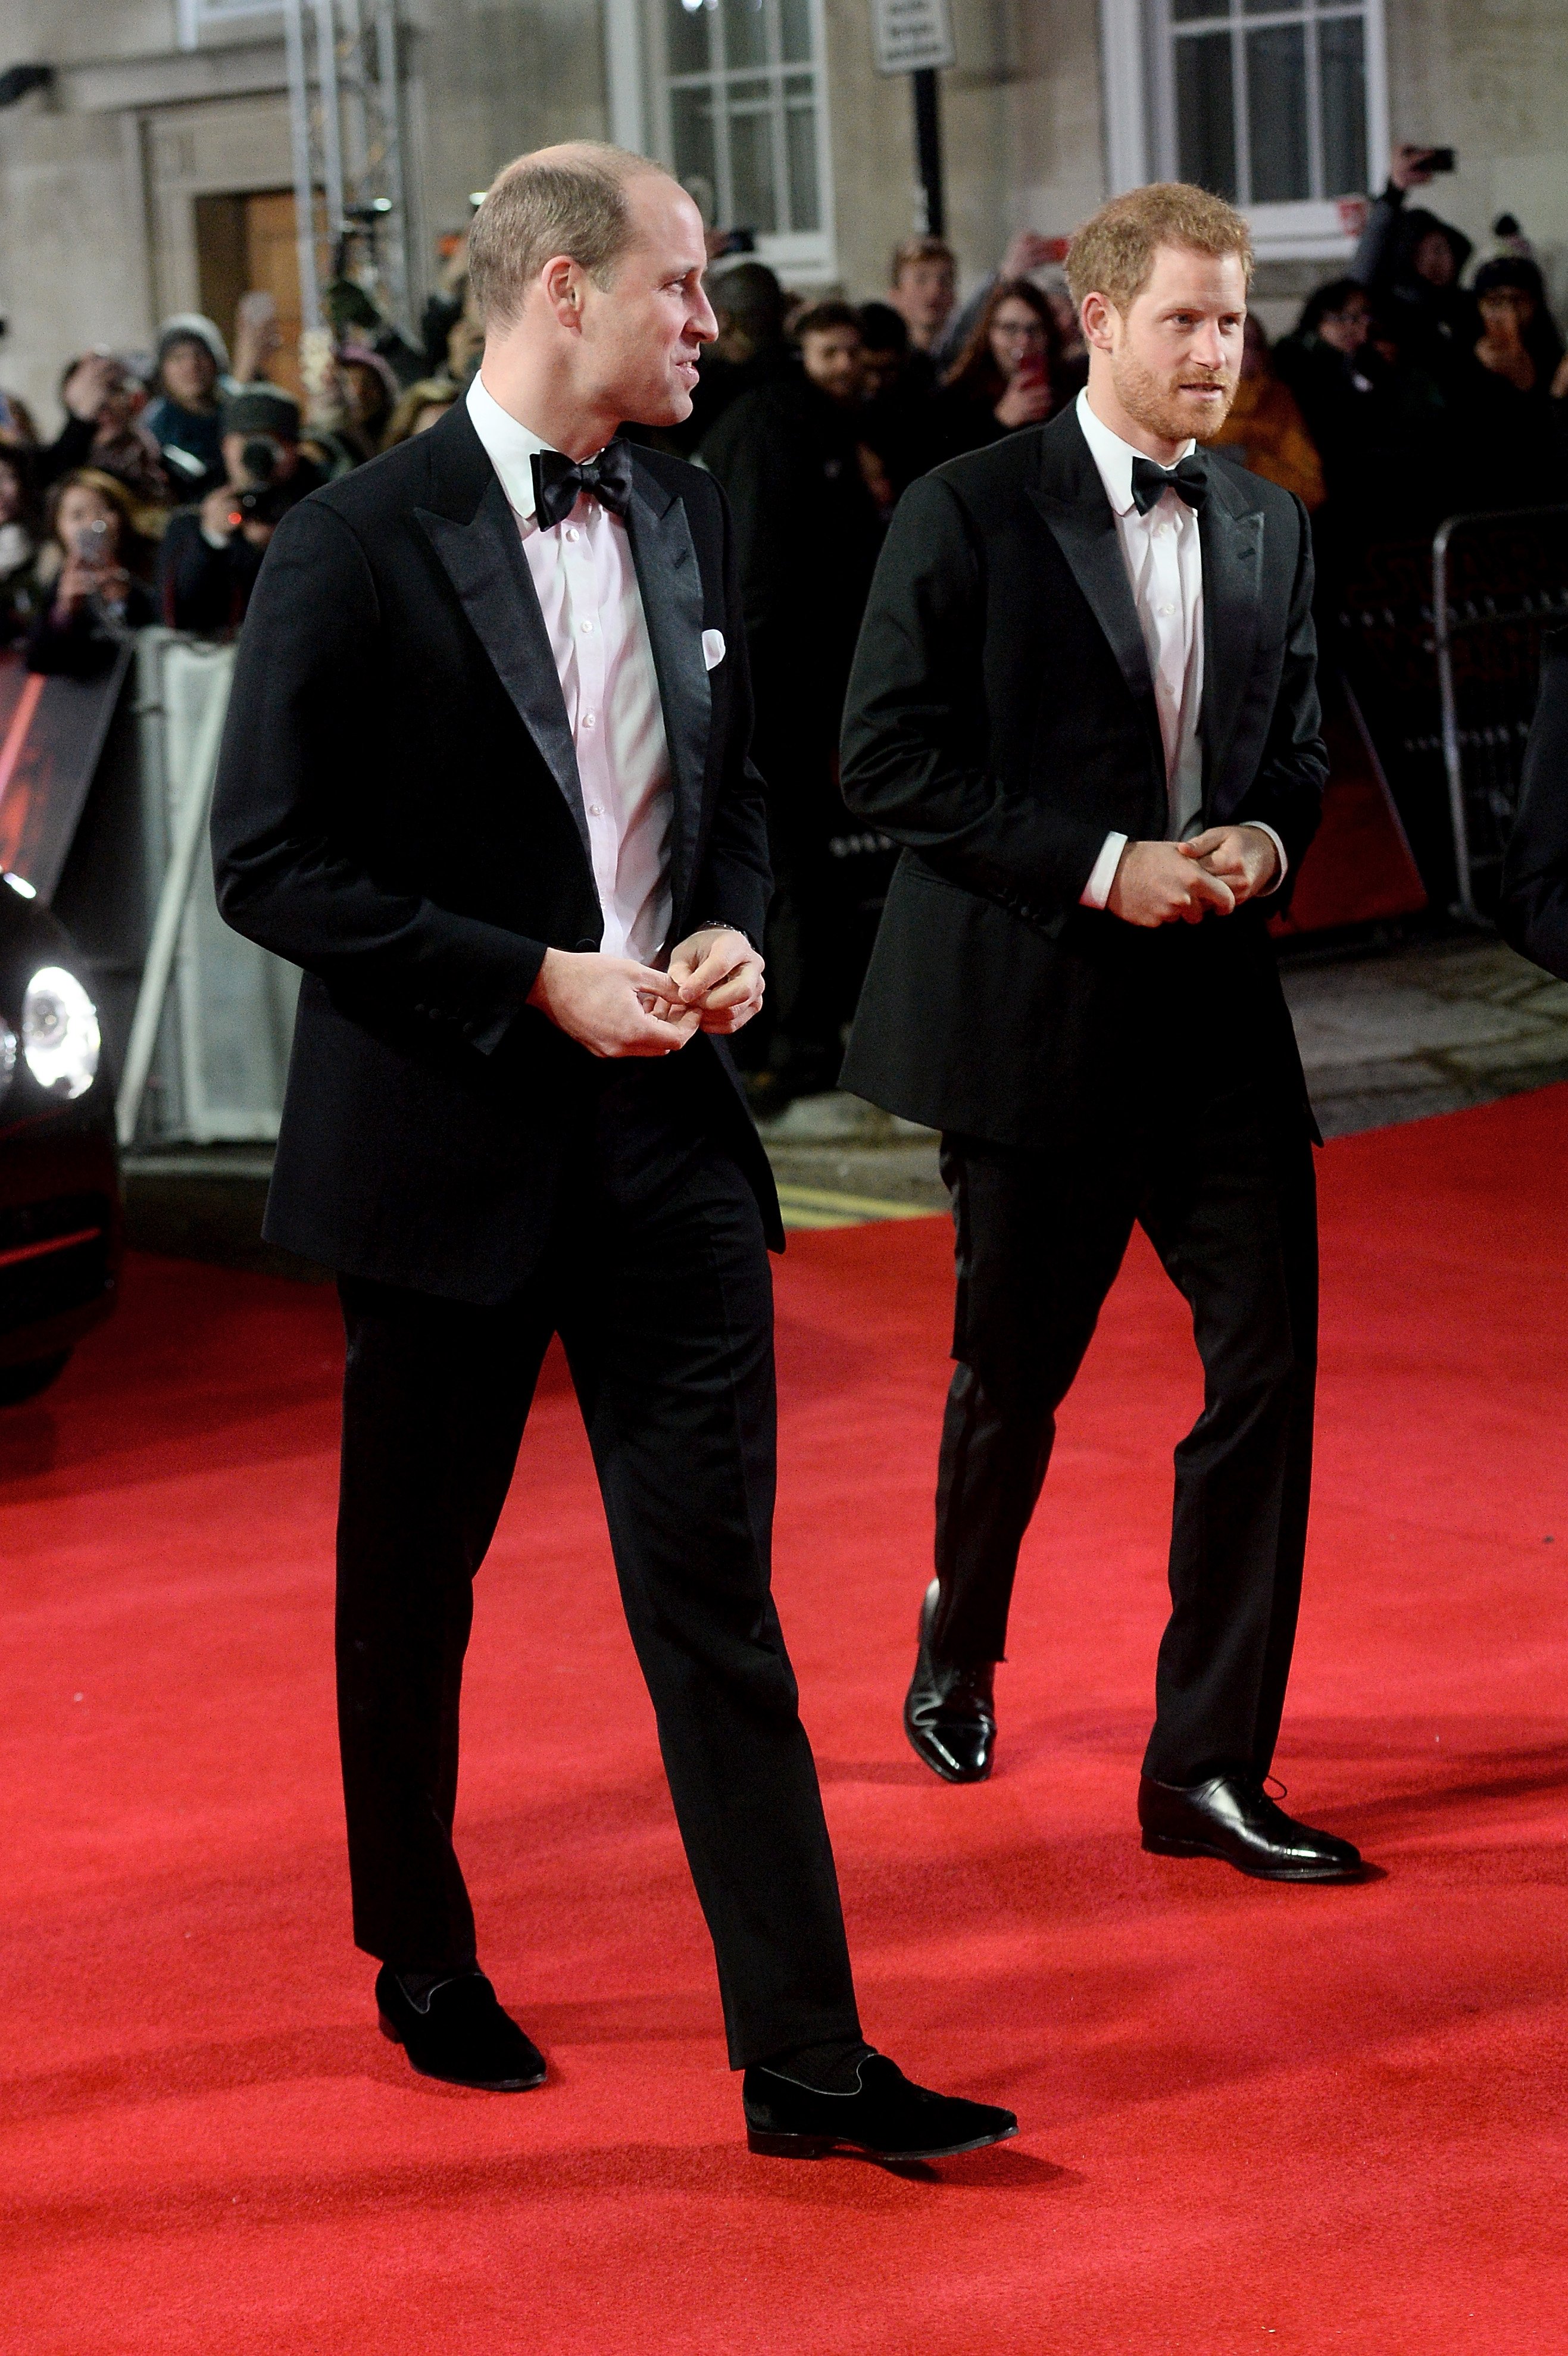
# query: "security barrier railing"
207,1049
1442,642
1498,582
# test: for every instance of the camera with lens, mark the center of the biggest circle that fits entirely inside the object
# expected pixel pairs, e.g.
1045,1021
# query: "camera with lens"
265,497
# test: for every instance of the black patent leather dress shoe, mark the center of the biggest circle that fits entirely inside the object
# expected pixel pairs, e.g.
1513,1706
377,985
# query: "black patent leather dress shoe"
885,2116
459,2032
949,1715
1232,1817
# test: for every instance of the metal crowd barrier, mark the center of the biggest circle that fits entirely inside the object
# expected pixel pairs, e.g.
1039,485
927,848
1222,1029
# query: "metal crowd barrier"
208,1051
1498,582
1442,643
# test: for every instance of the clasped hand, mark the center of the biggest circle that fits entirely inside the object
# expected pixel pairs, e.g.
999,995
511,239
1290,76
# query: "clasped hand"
1179,883
617,1006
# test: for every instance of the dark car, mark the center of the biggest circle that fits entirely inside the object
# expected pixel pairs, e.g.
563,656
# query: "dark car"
60,1181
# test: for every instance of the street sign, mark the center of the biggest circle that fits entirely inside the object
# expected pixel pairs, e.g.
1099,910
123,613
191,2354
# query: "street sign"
912,35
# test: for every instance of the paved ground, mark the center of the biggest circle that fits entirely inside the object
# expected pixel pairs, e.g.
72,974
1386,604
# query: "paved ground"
1386,1036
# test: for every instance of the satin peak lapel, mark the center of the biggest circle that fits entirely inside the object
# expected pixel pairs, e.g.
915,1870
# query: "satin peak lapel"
671,581
1085,531
1232,587
485,563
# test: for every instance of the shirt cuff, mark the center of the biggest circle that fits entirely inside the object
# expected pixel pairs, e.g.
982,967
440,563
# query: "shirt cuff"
1102,874
1283,868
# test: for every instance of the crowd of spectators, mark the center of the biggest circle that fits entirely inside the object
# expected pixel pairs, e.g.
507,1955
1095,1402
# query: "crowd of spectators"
157,497
1410,387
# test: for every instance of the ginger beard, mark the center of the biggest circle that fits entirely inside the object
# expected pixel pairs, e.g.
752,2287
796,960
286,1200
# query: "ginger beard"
1161,402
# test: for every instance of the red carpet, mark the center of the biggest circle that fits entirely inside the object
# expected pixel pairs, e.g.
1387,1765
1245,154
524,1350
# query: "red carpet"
1254,2117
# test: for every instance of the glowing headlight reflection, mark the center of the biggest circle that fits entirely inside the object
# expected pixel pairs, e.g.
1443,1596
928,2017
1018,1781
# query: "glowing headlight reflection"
60,1033
7,1054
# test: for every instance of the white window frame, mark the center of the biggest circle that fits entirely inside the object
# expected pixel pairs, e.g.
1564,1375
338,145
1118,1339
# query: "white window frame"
1137,83
639,83
196,14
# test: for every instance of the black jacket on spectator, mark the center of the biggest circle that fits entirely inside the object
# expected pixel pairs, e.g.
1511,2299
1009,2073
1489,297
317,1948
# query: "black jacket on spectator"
1001,723
1533,910
205,589
1437,325
807,533
1350,406
202,588
398,811
85,646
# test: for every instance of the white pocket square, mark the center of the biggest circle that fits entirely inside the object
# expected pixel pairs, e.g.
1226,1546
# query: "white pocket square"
713,647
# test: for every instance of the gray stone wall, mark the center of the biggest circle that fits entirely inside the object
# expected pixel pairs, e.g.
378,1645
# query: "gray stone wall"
1021,127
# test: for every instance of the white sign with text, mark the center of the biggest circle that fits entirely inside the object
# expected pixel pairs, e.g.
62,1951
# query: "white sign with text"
911,35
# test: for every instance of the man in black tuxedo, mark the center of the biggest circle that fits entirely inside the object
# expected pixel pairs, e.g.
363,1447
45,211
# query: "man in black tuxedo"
1084,702
486,780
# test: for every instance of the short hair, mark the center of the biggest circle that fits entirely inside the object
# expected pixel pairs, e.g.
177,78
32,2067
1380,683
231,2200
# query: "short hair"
919,249
1113,254
883,329
1325,301
748,297
568,200
823,318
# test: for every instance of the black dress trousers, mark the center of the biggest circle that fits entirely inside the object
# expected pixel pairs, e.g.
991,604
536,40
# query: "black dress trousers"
1220,1176
656,1277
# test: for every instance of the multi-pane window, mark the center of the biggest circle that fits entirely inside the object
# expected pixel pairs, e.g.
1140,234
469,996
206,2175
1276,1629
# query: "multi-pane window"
741,87
1266,100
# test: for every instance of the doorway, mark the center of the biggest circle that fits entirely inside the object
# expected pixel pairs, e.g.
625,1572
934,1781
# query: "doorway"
246,242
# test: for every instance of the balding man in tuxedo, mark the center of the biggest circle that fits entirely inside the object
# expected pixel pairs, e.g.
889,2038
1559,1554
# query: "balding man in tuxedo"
486,780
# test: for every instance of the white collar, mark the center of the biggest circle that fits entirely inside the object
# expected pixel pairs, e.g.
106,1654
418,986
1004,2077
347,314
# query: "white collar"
508,445
1112,455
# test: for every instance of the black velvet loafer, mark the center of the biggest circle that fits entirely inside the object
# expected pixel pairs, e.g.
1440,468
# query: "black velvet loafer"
949,1715
885,2117
459,2033
1232,1817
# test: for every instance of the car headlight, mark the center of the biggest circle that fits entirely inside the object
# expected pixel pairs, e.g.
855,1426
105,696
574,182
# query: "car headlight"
60,1033
7,1054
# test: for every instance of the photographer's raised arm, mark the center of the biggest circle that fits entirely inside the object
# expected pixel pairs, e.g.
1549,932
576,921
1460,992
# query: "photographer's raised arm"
915,733
288,871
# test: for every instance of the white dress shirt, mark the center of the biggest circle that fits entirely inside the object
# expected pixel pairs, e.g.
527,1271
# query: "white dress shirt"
1162,552
586,580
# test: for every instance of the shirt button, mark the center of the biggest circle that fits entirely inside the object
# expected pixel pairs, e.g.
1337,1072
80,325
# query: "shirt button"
584,627
571,531
596,810
587,719
1165,609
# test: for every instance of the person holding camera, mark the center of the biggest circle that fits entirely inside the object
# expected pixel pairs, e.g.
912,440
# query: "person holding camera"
103,399
1411,263
212,554
89,560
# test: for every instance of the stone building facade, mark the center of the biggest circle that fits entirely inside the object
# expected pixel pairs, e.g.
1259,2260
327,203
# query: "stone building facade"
154,173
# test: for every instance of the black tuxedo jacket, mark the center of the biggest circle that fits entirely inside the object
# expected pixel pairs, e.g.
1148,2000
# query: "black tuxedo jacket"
1001,723
398,811
1533,913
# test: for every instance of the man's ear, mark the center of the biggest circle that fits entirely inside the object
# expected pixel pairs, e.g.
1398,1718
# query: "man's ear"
561,281
1098,321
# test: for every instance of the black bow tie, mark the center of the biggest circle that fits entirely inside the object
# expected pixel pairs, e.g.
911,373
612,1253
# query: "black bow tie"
557,480
1189,481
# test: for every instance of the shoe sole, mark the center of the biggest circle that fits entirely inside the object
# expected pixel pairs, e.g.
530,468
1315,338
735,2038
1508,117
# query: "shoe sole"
789,2147
1167,1845
948,1774
443,2078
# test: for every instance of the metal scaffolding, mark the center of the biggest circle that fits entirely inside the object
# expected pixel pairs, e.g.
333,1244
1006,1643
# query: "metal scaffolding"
346,131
